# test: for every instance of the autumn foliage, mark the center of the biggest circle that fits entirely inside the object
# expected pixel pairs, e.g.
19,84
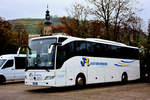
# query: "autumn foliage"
9,38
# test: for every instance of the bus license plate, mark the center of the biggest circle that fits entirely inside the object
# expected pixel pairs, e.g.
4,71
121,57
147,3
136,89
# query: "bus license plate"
35,83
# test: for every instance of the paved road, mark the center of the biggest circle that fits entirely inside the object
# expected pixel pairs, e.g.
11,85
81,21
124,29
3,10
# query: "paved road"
115,91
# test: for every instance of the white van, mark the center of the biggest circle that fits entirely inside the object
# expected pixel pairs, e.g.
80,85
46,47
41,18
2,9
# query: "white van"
12,67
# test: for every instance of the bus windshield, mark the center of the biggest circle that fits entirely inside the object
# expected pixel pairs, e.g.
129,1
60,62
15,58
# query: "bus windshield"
38,56
2,61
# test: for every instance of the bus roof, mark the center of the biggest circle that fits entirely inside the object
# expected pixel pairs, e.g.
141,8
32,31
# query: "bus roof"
70,38
110,42
106,41
43,37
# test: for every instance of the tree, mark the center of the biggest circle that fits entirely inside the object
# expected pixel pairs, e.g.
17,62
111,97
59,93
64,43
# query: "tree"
133,31
5,32
7,43
70,25
40,28
146,57
110,12
21,34
122,13
148,30
103,10
77,25
96,29
148,39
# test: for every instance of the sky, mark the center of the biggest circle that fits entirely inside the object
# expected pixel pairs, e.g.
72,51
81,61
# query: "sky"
13,9
144,13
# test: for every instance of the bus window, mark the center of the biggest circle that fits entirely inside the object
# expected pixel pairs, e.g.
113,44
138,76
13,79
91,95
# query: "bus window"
65,52
81,49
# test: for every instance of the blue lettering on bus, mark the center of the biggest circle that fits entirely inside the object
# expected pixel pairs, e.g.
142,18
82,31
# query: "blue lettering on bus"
85,61
99,63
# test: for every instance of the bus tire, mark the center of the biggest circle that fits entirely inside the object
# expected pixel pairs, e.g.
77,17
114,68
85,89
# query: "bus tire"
2,79
80,81
124,78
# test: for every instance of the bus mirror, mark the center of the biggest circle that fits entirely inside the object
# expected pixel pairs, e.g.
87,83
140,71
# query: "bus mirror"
50,48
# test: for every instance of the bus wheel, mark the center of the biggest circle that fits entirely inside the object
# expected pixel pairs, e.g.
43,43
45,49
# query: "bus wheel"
80,81
124,78
2,79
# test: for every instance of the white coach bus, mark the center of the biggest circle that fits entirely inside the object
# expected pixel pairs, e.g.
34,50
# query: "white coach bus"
59,61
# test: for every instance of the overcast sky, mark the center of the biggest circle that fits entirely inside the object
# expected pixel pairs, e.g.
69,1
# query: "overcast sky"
12,9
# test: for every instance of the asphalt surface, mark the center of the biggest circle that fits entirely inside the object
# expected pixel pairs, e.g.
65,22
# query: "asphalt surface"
108,91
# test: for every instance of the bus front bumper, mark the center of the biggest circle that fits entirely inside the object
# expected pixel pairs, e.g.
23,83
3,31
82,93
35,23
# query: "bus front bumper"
40,83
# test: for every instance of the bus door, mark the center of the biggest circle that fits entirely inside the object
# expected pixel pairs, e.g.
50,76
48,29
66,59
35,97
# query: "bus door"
60,71
60,77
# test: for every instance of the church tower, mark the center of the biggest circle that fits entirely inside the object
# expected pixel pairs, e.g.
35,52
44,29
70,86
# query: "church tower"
47,24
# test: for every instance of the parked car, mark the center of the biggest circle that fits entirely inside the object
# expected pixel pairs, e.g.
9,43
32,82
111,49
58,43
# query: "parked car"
12,67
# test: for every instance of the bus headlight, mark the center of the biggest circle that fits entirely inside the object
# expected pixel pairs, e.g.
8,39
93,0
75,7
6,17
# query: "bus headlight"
49,77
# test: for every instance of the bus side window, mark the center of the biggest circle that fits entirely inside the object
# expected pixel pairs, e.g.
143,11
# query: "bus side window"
8,64
80,48
91,49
